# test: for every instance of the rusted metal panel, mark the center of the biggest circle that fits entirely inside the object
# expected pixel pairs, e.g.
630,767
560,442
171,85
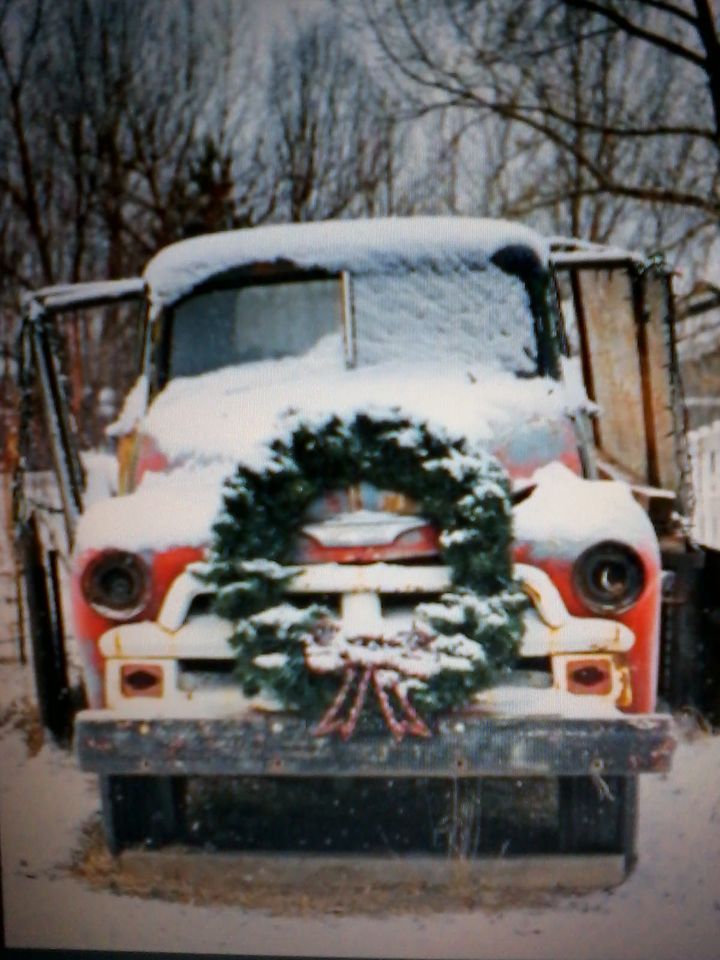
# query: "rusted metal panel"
463,746
642,318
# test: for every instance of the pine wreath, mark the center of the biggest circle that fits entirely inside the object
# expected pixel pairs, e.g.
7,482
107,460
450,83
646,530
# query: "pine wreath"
457,646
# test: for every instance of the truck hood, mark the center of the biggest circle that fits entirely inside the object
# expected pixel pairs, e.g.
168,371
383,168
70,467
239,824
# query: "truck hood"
234,414
204,426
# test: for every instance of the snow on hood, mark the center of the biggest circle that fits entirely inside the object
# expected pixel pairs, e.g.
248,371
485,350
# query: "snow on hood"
167,510
208,424
234,414
356,245
565,514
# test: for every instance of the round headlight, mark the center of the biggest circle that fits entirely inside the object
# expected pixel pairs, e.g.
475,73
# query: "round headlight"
116,584
609,577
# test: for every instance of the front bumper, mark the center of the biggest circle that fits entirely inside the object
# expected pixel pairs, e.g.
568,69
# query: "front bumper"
463,745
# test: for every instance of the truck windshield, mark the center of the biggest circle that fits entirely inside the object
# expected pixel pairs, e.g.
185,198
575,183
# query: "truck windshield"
462,316
220,328
459,315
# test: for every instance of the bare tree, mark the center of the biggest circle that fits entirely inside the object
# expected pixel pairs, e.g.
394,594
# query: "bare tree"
328,132
618,99
111,145
125,126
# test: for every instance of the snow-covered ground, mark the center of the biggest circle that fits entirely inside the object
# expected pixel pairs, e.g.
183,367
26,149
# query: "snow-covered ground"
669,907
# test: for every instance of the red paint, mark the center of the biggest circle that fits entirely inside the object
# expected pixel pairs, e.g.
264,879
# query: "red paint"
149,459
523,470
526,453
642,618
90,625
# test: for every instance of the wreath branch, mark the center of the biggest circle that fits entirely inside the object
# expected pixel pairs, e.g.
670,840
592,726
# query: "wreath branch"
458,645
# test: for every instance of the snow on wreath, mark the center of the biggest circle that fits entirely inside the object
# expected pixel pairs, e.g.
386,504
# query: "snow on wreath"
455,647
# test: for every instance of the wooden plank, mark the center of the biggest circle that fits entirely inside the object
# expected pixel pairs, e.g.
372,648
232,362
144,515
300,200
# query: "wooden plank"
612,352
282,745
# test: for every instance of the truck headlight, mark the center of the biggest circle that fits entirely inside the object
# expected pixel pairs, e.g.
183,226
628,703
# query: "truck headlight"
116,584
609,577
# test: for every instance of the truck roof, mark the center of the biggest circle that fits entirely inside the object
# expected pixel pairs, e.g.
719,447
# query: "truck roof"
358,246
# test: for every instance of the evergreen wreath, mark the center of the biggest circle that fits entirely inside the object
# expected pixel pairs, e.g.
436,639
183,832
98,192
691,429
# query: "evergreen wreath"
458,645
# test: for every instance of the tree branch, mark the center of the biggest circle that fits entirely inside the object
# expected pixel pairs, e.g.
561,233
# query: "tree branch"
631,28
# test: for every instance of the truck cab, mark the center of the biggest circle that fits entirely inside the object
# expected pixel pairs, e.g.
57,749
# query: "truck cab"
344,441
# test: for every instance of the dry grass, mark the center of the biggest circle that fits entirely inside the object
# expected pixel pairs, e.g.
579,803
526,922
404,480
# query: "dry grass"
22,715
277,885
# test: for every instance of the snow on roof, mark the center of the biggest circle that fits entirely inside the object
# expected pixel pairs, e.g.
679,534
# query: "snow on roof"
66,295
335,245
566,251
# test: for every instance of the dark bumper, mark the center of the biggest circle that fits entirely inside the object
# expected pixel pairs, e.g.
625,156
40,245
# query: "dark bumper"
274,745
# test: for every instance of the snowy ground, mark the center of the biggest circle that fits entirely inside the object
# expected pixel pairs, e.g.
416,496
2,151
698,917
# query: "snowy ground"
669,907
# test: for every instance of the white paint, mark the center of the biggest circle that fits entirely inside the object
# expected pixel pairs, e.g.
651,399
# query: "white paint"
204,637
385,577
576,635
361,528
518,701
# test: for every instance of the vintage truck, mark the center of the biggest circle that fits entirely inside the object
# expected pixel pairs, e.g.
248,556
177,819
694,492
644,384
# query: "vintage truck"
397,501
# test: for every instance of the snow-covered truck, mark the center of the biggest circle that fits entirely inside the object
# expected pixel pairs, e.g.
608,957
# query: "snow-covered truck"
369,522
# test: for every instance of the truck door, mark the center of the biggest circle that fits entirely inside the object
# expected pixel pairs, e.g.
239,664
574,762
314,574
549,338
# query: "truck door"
79,352
76,342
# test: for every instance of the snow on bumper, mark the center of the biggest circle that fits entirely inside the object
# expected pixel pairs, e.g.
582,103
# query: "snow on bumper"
181,664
